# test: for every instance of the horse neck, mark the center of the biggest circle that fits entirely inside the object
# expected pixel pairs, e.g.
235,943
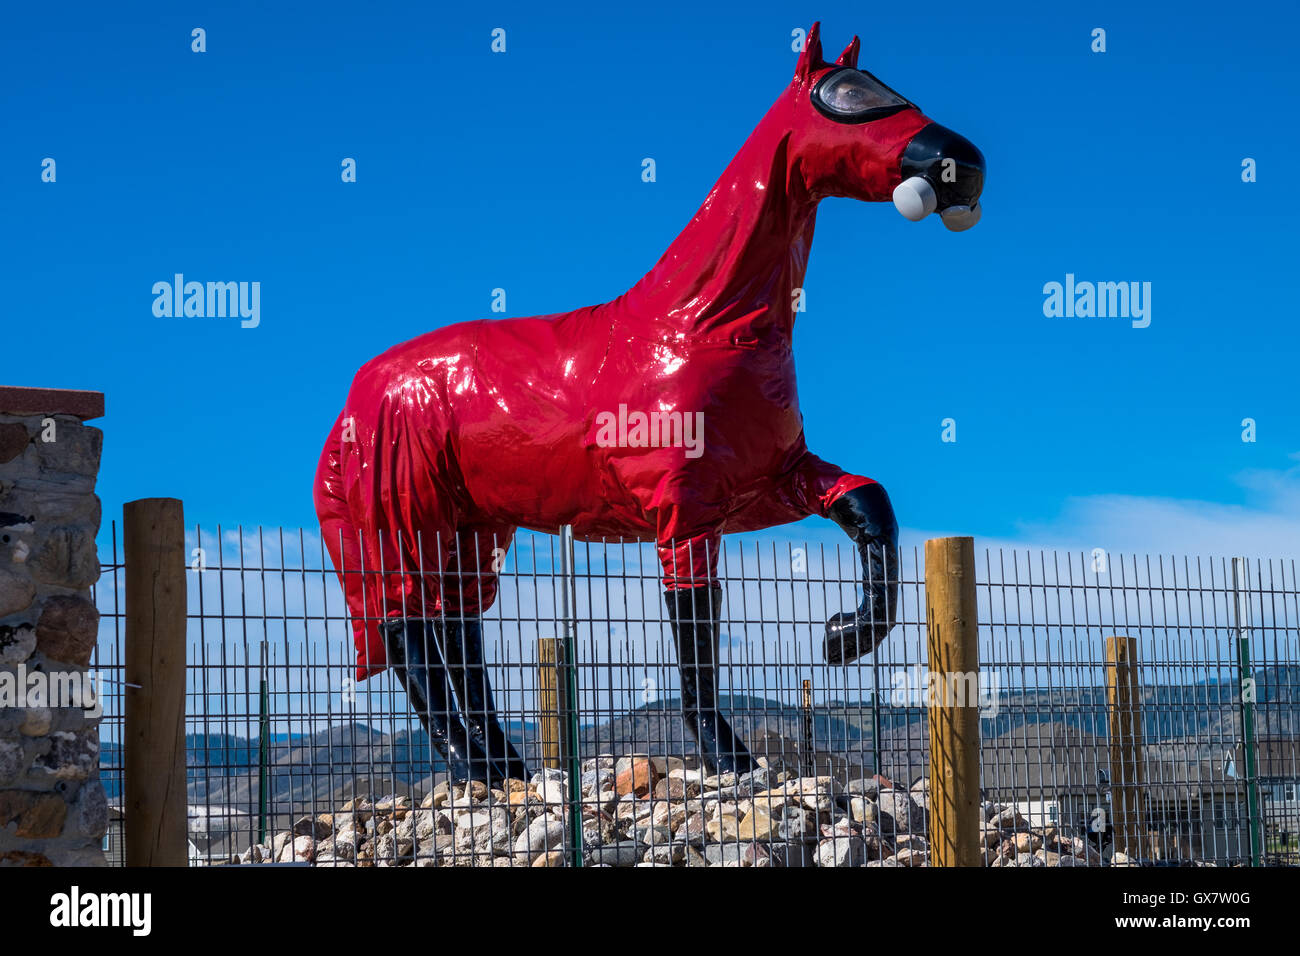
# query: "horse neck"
731,273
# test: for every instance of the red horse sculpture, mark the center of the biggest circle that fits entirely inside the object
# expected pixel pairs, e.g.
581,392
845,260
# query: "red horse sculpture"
669,414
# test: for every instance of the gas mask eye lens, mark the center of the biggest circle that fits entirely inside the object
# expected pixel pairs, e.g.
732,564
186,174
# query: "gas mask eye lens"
852,96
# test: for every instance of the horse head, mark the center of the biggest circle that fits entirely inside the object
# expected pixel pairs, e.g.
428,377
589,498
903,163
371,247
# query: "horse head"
851,135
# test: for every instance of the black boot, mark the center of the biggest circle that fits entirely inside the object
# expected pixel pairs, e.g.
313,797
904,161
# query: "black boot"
868,519
417,664
462,643
694,615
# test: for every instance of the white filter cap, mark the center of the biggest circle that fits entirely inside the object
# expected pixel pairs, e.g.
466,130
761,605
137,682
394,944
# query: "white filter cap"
915,198
961,218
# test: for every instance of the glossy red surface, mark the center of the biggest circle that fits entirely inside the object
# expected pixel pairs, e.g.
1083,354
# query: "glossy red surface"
463,434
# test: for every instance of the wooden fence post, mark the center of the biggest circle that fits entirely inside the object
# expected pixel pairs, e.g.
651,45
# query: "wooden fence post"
952,637
548,685
1124,694
155,793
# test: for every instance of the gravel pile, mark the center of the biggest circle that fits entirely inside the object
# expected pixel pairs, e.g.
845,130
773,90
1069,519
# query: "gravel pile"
652,811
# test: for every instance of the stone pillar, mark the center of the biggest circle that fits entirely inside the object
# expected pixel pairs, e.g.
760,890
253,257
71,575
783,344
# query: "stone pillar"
52,806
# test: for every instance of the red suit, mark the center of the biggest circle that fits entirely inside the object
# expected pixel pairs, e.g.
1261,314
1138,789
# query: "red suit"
450,441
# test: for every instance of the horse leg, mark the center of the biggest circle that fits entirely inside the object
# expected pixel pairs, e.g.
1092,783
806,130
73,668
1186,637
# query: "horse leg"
868,519
861,508
695,614
463,641
417,663
460,631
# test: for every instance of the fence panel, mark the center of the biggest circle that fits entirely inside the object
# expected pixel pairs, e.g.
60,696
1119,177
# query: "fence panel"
291,758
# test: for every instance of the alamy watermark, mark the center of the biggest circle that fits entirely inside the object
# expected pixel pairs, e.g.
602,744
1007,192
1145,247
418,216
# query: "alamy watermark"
56,690
921,687
1101,300
624,429
210,300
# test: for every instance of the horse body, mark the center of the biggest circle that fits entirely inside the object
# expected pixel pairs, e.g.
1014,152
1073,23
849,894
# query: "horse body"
449,442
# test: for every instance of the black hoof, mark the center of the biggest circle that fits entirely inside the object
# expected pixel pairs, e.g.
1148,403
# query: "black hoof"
849,635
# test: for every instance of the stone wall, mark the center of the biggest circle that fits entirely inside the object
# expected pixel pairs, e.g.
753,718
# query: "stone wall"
52,805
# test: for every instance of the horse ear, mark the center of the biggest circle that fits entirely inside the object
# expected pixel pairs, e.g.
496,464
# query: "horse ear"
810,60
850,55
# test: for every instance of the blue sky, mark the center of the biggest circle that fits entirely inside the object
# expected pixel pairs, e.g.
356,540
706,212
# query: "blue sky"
522,171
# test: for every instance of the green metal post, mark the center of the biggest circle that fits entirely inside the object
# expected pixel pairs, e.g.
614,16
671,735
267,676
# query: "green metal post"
263,749
1246,694
569,700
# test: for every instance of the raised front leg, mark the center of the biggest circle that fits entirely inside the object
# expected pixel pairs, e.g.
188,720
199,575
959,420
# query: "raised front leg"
695,614
867,518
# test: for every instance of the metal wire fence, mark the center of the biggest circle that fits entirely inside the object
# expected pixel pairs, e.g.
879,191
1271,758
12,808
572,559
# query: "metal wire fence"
291,760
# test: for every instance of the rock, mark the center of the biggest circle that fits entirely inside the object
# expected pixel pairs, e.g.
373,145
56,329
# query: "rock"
799,853
920,792
623,853
672,853
544,833
758,824
692,780
906,814
67,629
724,827
651,835
257,853
724,854
390,849
438,849
14,440
695,858
67,558
1085,851
756,781
911,841
12,760
842,851
786,823
301,850
670,788
693,830
639,777
485,831
815,793
548,775
863,810
360,807
868,787
89,816
397,807
910,857
36,721
17,591
1026,842
550,858
39,816
17,642
312,827
1008,818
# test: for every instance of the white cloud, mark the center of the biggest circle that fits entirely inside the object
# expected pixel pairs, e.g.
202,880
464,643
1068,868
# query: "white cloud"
1266,526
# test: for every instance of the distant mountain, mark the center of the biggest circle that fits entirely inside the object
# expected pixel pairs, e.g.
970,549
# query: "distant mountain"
314,769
